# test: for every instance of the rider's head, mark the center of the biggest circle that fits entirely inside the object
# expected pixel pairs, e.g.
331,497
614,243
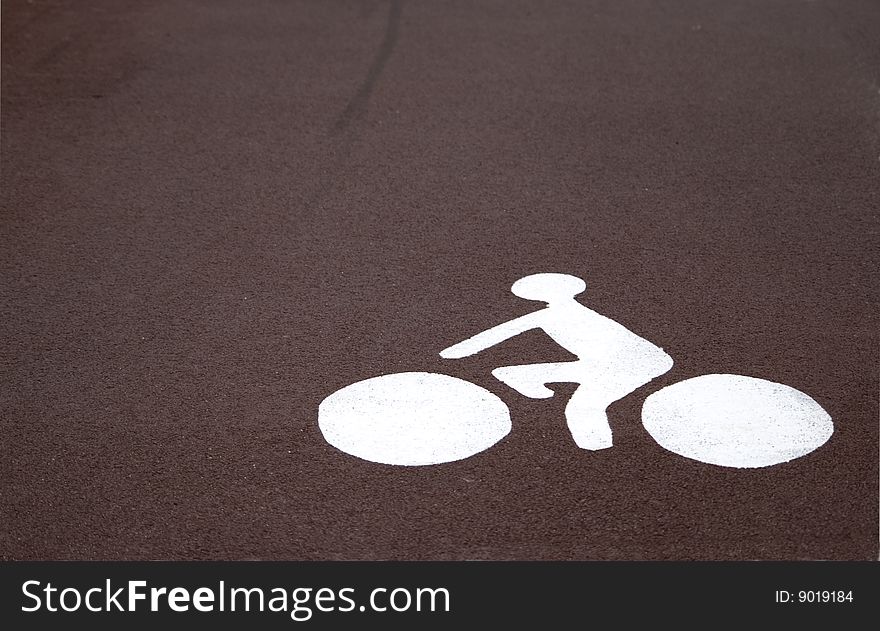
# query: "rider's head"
548,288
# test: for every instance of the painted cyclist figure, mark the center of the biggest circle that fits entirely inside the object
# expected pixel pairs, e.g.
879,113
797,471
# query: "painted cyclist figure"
425,418
612,360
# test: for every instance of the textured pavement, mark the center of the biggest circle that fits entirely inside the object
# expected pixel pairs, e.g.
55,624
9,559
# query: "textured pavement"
214,214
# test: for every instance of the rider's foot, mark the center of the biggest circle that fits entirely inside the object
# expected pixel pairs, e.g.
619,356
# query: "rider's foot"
588,422
526,382
592,436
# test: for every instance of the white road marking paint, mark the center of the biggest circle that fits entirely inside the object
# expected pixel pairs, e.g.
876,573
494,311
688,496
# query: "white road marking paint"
413,418
419,418
736,421
612,360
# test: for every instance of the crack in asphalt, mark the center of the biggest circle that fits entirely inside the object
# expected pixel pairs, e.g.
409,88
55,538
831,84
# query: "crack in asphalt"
357,105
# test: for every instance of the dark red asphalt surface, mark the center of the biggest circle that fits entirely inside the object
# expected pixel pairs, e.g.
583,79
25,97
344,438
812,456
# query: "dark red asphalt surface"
214,214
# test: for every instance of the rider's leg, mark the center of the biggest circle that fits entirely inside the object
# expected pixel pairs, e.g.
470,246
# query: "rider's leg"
529,379
601,386
587,420
586,410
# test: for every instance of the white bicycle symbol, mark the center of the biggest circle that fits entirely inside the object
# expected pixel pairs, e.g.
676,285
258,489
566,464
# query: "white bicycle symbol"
422,418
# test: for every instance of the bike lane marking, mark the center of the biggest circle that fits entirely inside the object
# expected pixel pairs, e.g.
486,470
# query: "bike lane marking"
423,418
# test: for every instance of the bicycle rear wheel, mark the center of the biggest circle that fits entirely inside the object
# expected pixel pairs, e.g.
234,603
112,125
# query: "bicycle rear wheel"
736,421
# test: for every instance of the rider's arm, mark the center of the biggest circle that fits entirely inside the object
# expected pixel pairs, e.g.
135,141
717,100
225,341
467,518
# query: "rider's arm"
493,336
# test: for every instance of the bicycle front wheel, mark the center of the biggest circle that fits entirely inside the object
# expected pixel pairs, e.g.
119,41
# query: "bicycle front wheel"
413,419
